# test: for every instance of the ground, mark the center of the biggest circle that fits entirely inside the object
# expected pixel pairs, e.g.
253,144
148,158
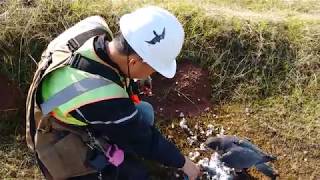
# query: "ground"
11,96
188,93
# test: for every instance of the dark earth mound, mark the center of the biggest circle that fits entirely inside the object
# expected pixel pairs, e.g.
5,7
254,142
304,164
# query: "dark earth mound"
188,92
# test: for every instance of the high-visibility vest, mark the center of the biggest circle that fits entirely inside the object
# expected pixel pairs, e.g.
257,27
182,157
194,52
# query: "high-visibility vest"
67,89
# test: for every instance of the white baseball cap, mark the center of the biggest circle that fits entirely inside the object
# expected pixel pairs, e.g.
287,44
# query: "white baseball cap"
156,36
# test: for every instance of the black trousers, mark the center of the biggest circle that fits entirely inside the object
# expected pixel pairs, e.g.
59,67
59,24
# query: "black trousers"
130,169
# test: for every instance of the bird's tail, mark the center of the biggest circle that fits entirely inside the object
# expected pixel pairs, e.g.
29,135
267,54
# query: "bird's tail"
271,158
267,158
267,170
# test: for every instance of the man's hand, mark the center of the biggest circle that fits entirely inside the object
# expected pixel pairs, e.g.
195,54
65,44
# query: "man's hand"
191,169
145,86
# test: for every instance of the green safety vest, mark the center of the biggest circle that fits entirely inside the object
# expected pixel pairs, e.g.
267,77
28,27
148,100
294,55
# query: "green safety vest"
67,89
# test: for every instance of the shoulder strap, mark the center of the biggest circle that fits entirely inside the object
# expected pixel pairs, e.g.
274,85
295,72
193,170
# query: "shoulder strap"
79,40
90,66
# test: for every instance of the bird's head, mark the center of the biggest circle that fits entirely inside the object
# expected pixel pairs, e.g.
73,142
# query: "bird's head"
214,143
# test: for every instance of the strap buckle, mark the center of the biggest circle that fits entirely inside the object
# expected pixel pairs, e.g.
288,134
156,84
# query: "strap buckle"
73,44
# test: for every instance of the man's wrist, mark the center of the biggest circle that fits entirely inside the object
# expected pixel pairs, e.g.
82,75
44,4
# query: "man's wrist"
183,162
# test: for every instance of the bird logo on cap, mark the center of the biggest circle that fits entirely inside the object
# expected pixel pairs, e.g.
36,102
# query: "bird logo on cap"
157,37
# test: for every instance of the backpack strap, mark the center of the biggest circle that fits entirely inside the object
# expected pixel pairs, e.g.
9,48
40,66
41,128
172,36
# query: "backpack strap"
93,67
76,42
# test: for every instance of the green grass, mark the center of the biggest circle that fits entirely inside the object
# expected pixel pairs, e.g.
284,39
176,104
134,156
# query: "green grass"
306,6
263,54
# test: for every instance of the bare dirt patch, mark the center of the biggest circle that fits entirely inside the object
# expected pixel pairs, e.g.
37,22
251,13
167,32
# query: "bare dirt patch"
11,108
188,92
10,95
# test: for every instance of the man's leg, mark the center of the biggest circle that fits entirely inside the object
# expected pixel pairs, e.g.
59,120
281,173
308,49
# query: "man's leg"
146,112
132,169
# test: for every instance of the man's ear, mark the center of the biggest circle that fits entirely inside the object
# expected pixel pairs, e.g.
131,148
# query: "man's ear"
133,59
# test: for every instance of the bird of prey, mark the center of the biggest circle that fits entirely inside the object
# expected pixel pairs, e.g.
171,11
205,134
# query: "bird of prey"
158,37
241,154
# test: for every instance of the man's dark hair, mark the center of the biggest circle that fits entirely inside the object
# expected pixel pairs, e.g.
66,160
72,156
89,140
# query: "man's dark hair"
122,45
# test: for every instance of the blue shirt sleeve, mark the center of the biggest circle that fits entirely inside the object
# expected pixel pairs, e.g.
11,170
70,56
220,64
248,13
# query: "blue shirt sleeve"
118,119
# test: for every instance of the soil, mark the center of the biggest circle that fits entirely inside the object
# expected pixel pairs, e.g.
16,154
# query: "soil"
188,92
10,95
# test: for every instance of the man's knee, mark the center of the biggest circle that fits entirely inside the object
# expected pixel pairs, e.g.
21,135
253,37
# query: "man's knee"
146,111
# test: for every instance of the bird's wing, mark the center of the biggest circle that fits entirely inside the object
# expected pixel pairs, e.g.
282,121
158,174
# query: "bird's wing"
247,144
228,142
150,42
163,33
240,158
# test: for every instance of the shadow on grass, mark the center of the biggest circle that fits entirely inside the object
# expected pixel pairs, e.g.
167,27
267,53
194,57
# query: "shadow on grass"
17,160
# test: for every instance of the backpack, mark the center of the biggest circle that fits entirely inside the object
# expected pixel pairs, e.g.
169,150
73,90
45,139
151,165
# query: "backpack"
60,150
